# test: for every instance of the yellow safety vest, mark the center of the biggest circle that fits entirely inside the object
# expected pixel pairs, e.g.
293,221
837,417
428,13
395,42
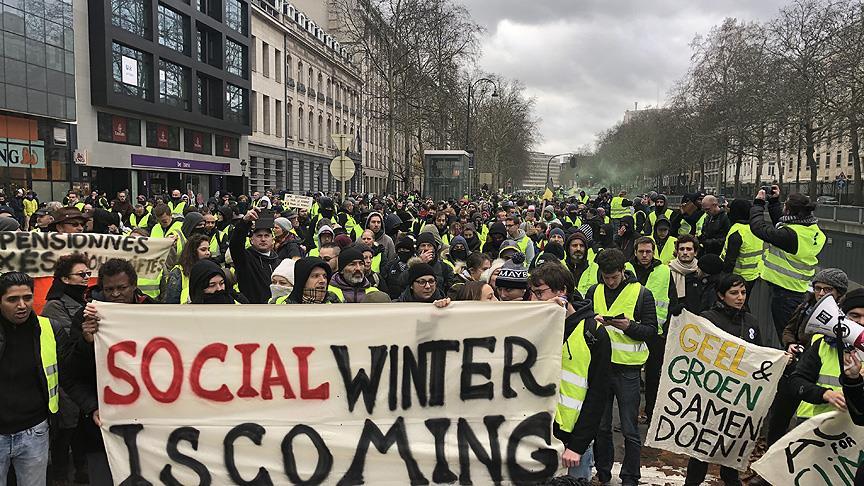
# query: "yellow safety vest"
829,377
658,284
584,199
184,288
749,261
652,216
794,272
575,360
617,209
175,228
685,226
314,252
667,253
150,286
482,233
523,244
177,210
625,350
79,206
133,220
341,295
48,353
351,227
376,263
588,278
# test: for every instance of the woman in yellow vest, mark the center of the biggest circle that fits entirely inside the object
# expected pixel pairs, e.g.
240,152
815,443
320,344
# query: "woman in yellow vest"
817,376
794,243
742,250
177,287
730,315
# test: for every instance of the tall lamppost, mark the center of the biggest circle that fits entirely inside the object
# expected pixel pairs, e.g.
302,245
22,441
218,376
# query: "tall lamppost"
471,88
549,164
243,176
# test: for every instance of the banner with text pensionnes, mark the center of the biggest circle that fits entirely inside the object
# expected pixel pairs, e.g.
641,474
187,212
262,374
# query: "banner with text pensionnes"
715,390
335,394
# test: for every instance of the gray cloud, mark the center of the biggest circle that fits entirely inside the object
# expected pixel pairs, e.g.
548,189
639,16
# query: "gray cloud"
586,61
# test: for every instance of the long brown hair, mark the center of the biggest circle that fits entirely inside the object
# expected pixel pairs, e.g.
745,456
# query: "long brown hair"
471,291
189,255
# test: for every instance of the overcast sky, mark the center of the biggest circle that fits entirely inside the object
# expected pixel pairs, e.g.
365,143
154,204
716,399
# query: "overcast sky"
586,61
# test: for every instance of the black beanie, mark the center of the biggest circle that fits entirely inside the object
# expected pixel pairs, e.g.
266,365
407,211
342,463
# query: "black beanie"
427,238
852,300
349,255
405,243
419,270
710,264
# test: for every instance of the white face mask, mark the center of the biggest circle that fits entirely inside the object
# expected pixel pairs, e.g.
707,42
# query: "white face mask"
277,291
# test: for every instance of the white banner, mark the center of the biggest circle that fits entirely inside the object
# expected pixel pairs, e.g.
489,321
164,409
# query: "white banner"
715,390
300,202
36,253
381,393
827,449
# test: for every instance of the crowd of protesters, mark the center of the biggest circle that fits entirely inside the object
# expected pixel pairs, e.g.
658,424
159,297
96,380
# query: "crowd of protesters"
622,267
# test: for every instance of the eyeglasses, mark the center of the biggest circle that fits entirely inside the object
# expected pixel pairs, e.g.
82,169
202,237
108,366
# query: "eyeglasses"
822,289
425,282
81,274
540,291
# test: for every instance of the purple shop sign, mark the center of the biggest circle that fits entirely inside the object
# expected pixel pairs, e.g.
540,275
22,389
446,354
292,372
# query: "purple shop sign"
153,162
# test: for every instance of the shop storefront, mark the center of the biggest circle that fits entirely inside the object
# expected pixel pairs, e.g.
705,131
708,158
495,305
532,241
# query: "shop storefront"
34,154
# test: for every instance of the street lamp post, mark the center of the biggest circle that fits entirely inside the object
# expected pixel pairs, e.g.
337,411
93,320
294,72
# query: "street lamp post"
243,176
471,88
548,166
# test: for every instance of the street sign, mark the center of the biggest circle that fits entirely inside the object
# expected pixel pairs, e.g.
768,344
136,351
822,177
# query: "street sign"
342,140
299,202
342,168
486,178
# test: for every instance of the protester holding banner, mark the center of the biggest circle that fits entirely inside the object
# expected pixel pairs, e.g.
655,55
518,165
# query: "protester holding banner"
586,356
32,352
730,315
177,284
207,285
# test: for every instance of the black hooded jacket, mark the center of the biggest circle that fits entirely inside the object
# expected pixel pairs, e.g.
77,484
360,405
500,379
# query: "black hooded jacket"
586,426
739,212
491,248
252,268
302,269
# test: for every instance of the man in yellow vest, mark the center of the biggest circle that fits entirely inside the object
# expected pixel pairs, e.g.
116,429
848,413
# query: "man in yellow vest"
692,217
177,205
580,261
619,207
74,201
794,243
659,210
513,224
585,363
31,352
742,250
656,277
816,378
166,227
627,311
140,218
664,244
350,285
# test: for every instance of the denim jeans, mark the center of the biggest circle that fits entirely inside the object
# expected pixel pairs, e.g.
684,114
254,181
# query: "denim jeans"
783,305
28,452
624,386
583,470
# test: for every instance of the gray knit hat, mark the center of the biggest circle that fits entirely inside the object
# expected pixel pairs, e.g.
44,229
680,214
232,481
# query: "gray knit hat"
513,274
834,277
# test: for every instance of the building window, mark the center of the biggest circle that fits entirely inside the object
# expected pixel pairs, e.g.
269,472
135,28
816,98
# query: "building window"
197,142
235,102
320,130
209,46
300,125
132,16
252,57
288,113
235,15
278,65
235,58
311,129
289,67
173,84
131,71
839,159
849,162
278,118
118,129
173,29
163,136
209,96
828,160
265,59
212,8
266,113
227,146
